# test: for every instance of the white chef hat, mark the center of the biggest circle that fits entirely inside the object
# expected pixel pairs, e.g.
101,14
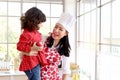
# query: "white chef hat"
67,21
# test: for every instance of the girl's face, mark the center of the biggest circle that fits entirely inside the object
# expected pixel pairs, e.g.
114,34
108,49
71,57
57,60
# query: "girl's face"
58,32
39,25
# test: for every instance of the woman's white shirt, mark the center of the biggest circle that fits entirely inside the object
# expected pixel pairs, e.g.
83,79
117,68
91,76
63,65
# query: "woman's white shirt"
65,65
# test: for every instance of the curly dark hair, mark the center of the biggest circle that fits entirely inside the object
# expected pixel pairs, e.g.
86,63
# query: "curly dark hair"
32,18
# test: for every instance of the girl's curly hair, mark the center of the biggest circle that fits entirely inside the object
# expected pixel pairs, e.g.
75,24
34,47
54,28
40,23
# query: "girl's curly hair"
32,18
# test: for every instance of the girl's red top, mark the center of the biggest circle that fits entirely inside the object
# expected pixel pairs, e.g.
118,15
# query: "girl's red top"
24,44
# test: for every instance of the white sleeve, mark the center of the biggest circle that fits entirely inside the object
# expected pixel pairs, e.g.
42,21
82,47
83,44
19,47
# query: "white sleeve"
65,65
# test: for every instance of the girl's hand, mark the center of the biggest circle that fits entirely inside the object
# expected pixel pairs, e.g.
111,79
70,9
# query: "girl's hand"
37,47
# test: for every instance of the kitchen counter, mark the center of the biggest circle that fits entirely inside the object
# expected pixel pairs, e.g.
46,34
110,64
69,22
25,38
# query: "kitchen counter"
12,76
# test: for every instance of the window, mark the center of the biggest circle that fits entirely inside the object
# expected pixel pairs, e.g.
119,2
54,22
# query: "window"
98,39
10,12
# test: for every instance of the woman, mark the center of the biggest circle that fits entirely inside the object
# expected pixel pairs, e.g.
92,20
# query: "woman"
57,49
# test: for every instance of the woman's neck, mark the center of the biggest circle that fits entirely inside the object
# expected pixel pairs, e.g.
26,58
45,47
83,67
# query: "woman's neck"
55,43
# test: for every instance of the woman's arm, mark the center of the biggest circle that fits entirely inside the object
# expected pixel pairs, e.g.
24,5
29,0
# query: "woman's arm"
65,67
65,76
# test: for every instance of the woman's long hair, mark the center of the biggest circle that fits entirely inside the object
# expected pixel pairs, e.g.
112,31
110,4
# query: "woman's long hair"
63,47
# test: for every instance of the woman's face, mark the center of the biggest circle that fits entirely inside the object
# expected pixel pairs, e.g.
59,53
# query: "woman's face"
58,32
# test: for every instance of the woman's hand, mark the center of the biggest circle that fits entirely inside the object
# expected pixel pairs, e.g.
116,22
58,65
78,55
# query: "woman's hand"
65,76
31,53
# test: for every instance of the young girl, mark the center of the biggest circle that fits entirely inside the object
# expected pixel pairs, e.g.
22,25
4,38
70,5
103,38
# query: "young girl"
30,23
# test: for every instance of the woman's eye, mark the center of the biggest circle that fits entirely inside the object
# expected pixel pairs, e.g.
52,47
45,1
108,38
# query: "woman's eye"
61,29
55,26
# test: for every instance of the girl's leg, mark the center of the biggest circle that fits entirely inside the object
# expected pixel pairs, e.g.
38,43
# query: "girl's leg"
36,73
29,74
33,74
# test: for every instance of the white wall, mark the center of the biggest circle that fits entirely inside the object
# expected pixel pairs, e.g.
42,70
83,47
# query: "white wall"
70,7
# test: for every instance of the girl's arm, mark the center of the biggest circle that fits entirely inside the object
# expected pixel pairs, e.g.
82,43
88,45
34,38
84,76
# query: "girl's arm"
33,52
26,44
